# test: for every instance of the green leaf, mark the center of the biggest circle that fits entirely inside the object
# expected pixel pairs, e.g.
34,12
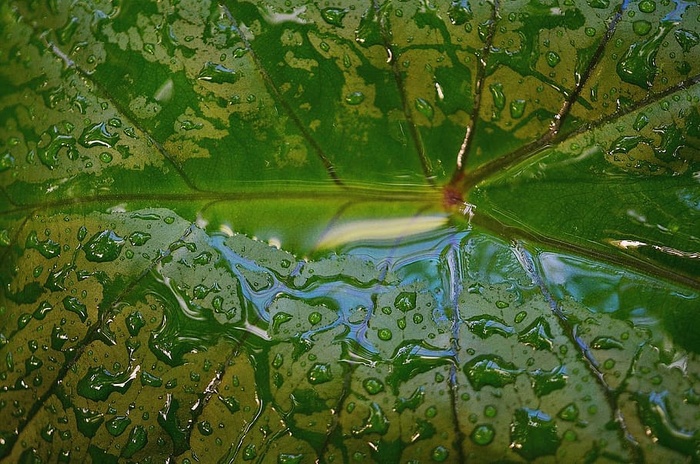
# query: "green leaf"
388,231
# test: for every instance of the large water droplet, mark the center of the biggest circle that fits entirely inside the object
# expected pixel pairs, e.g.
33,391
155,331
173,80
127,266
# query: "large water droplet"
533,434
48,248
638,66
459,12
486,325
74,305
138,437
686,39
218,73
103,246
376,422
545,382
319,373
538,335
98,135
88,421
491,370
98,383
334,16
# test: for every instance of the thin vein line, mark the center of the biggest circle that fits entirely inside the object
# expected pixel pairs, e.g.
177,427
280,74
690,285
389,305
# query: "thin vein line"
69,63
569,329
401,86
565,110
480,78
534,149
330,168
81,347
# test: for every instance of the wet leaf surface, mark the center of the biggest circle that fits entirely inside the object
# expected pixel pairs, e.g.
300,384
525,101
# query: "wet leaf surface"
338,232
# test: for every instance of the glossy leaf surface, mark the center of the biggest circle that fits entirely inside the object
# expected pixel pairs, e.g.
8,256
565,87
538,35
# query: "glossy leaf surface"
297,232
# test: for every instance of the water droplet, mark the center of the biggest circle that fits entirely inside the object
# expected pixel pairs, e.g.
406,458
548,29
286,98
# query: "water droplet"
647,6
569,412
31,364
490,411
376,422
74,305
590,32
641,27
686,39
315,318
638,64
139,238
88,421
533,434
148,379
48,154
425,108
412,403
369,31
491,370
485,326
483,434
250,452
499,98
43,309
606,343
641,121
286,458
137,440
231,403
552,58
334,16
373,385
517,108
384,334
355,98
218,73
98,135
279,319
103,246
98,383
205,428
440,454
319,373
47,248
545,382
134,323
459,12
538,335
405,301
7,161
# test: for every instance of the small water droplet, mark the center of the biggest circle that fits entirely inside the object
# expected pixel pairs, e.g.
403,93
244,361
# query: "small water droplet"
552,58
218,73
440,454
384,334
483,434
425,108
647,6
405,301
355,98
315,318
372,385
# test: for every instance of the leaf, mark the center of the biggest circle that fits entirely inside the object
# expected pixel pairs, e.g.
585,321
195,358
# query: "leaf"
299,232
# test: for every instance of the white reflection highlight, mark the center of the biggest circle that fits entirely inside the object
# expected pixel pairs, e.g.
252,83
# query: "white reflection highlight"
379,229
